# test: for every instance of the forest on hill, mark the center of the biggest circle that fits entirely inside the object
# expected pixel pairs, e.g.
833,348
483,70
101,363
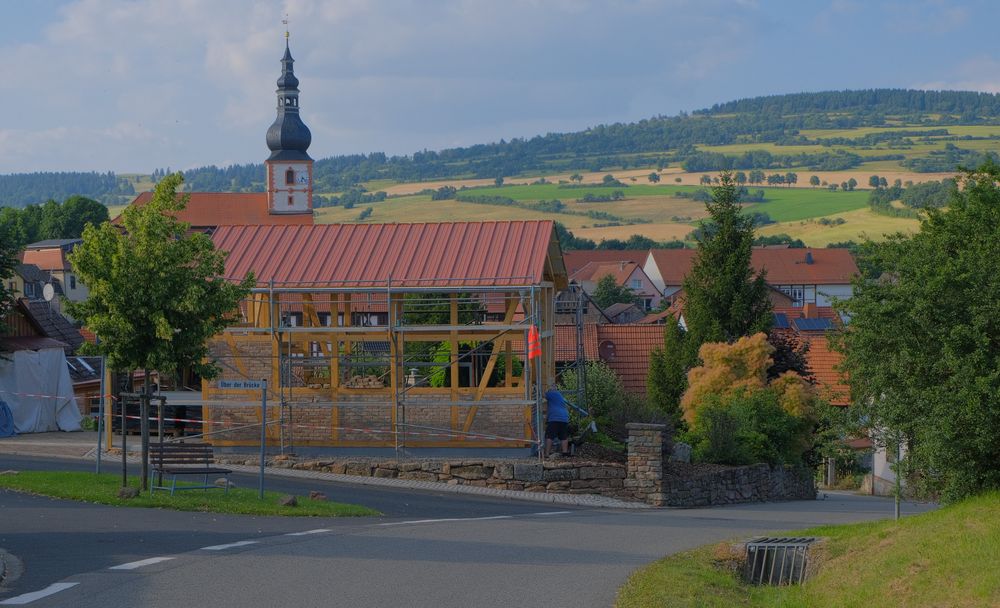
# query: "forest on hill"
654,142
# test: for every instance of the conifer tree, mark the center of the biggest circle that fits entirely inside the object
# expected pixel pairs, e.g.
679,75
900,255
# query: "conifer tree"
667,376
725,298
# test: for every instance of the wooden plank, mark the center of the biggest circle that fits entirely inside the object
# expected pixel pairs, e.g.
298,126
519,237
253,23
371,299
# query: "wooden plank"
491,363
453,350
508,365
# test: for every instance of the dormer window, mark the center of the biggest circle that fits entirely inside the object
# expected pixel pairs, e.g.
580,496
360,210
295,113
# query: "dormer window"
289,177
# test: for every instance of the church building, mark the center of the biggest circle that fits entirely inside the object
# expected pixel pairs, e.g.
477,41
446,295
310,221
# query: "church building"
289,171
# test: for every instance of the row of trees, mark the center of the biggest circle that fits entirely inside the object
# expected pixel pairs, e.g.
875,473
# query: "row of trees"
51,220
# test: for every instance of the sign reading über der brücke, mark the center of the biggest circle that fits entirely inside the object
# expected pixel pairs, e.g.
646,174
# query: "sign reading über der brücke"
244,385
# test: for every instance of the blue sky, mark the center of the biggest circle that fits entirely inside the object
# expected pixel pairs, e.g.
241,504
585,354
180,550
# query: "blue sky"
132,86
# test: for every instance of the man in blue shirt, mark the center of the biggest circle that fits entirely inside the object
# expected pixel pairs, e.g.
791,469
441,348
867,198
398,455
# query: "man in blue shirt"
557,421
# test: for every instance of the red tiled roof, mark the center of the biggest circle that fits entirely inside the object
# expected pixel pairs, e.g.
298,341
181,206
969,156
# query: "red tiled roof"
784,266
823,362
595,271
207,209
673,264
577,259
414,255
632,347
88,335
655,317
46,259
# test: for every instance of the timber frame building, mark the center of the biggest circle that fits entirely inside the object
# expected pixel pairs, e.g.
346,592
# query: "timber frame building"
390,336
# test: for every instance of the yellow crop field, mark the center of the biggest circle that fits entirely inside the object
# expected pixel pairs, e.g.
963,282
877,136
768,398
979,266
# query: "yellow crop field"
858,224
422,209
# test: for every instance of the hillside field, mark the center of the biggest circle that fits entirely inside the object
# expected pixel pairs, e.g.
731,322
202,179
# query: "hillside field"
655,211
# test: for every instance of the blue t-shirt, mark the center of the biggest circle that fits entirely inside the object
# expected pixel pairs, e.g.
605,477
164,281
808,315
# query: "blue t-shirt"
557,411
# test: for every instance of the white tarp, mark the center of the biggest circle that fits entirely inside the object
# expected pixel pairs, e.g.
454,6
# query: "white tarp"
37,387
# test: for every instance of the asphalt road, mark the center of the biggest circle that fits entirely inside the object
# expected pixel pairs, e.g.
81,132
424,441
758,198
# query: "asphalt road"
428,550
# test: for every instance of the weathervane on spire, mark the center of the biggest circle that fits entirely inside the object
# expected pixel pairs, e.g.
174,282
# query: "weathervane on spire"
285,22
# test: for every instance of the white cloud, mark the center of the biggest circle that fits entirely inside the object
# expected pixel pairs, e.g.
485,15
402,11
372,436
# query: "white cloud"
980,73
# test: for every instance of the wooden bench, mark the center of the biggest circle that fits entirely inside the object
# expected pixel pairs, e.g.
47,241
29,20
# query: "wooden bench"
175,459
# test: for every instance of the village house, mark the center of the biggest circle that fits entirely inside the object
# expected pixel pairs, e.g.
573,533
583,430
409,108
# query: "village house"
626,274
50,257
807,276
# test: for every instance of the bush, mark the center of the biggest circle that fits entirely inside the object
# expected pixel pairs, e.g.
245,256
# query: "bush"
608,404
747,428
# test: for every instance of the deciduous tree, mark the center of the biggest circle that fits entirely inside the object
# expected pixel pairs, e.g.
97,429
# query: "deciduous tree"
922,347
156,290
608,292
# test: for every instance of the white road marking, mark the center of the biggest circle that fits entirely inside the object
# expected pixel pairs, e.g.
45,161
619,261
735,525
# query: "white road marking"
241,543
140,563
435,521
27,598
307,532
552,513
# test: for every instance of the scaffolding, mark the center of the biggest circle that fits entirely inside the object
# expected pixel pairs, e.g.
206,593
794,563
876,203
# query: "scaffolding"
390,366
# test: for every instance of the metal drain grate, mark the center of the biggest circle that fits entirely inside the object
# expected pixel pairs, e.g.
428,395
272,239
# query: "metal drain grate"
777,561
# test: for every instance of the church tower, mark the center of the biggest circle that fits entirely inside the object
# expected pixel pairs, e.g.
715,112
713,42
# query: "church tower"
289,168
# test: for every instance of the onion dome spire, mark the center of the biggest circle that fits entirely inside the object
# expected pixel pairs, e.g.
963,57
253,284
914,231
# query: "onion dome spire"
288,137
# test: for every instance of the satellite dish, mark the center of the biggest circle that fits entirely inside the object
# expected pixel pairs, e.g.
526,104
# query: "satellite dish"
48,292
606,350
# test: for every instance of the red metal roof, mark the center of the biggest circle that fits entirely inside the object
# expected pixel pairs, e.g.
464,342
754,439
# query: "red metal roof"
412,255
784,266
575,260
208,209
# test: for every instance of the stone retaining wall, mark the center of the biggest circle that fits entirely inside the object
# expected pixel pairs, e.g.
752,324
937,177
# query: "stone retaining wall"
754,483
562,476
646,477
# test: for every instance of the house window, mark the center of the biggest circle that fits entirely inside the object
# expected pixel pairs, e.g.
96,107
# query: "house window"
636,283
647,304
324,319
290,177
291,201
29,290
72,281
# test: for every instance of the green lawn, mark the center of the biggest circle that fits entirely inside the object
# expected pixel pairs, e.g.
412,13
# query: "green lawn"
103,489
791,204
948,557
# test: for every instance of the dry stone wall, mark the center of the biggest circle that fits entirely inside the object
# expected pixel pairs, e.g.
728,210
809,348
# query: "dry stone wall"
647,476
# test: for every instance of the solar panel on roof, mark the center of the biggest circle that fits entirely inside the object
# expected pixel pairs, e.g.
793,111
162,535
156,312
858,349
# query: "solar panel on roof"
813,324
780,320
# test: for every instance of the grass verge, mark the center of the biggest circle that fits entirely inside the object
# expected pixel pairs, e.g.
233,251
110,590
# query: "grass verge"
948,557
103,489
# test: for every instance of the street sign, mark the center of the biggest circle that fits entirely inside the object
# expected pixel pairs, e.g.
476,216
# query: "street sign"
241,385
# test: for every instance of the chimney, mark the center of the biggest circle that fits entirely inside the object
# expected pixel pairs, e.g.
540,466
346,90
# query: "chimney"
622,265
809,311
809,257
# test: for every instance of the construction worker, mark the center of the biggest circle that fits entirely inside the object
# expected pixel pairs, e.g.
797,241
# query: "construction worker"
557,421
